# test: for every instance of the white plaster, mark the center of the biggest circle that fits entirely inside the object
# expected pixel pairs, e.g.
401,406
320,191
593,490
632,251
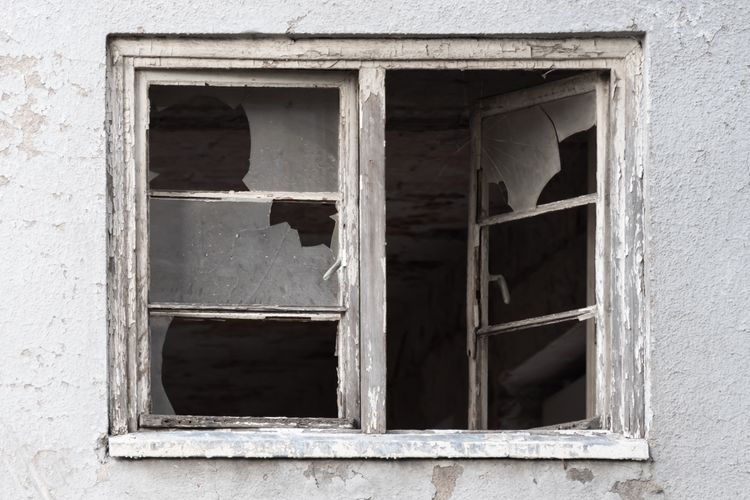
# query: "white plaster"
53,262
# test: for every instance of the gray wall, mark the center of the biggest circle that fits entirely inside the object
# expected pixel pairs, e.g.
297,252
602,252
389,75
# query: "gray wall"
53,415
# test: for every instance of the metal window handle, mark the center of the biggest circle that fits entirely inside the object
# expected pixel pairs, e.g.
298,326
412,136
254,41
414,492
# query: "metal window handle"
499,279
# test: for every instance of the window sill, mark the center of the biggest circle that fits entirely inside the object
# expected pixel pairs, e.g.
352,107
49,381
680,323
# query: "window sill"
307,443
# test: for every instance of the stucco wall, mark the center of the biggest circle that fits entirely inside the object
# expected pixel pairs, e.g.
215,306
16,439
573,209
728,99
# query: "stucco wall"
53,414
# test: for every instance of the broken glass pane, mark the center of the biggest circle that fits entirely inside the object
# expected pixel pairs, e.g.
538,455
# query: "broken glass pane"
229,253
251,368
243,138
196,140
158,326
520,152
572,114
520,149
575,177
542,261
537,376
294,139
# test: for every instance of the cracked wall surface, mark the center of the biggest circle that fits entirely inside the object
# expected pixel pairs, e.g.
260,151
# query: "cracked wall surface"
53,419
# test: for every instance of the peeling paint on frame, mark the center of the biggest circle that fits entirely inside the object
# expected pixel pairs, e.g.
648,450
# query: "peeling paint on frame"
624,374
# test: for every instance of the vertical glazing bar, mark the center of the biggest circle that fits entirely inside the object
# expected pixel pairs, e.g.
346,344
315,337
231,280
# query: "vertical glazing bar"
143,358
348,341
602,264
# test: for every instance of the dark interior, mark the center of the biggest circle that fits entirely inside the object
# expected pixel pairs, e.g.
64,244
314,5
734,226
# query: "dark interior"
544,259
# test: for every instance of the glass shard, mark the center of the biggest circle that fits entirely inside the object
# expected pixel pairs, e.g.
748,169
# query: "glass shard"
158,326
228,253
251,368
520,150
572,114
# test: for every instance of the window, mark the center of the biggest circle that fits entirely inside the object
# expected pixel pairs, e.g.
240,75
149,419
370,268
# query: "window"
251,245
381,249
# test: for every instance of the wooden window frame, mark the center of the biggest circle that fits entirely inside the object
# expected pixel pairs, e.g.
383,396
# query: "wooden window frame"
479,330
621,353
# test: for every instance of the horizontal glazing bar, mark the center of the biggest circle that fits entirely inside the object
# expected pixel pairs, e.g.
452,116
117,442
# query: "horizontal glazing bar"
240,308
247,195
581,314
280,315
226,422
587,199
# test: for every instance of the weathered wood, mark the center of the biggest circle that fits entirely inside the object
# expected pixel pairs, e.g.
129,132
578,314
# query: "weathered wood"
251,196
604,258
372,247
586,199
550,319
248,315
219,422
259,78
629,332
129,256
171,306
591,256
117,245
348,340
476,350
586,424
380,49
311,443
142,373
182,63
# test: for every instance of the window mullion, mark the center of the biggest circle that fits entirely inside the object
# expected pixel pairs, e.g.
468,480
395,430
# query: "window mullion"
372,248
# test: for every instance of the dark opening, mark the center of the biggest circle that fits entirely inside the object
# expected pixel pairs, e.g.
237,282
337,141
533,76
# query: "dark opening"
196,141
250,368
313,221
427,179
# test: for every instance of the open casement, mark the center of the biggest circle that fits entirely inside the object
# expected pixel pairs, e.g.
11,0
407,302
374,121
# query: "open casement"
229,257
517,179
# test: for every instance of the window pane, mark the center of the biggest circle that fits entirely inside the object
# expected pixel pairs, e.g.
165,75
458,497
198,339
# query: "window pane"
245,368
242,138
242,253
543,260
537,376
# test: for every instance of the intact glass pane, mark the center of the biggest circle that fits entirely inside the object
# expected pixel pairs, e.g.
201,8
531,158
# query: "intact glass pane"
242,253
243,138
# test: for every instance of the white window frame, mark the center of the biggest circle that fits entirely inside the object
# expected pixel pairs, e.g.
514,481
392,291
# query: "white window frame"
620,352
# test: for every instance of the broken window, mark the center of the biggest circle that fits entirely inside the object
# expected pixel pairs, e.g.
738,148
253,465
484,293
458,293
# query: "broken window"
369,235
528,147
261,199
250,275
247,276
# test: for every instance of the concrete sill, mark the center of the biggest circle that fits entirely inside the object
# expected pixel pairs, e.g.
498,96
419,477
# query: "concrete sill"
309,443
